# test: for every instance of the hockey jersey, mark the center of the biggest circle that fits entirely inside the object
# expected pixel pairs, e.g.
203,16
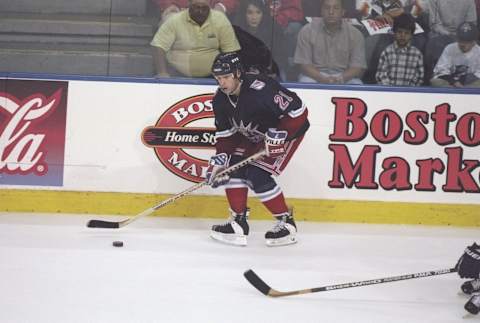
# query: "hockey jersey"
241,122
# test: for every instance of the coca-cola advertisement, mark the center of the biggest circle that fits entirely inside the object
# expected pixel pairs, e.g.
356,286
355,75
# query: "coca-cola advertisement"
32,132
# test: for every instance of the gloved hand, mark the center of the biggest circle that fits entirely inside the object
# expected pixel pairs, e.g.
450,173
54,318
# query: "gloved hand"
468,266
275,142
217,164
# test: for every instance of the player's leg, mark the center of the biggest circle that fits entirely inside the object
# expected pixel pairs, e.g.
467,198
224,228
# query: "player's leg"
259,174
236,229
270,194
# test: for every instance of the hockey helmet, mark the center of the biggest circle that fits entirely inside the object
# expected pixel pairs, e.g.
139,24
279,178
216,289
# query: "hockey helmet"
226,63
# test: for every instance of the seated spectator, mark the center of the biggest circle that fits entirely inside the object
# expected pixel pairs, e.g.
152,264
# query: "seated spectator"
380,14
329,50
190,39
167,7
290,16
447,15
254,17
444,18
401,63
459,64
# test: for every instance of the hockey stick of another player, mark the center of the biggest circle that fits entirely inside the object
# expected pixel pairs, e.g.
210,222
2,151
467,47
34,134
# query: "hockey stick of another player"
119,224
259,284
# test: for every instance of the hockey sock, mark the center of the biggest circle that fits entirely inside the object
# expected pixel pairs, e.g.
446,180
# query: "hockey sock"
237,199
277,205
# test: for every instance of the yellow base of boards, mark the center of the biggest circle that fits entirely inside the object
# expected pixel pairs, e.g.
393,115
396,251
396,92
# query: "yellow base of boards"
208,206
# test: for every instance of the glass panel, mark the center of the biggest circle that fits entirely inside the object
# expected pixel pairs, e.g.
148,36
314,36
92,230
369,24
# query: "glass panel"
87,37
112,38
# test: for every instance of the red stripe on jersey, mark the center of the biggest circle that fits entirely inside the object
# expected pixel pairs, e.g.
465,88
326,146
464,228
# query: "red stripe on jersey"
293,125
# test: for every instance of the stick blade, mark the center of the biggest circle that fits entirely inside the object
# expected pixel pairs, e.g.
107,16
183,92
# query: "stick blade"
257,282
103,224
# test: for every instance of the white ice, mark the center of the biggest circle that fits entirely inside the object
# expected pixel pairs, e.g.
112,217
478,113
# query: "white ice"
55,269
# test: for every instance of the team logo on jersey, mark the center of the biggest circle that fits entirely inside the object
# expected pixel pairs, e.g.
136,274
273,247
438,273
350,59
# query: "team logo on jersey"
182,136
257,85
248,130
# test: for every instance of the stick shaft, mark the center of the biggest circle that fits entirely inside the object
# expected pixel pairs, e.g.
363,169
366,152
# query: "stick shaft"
162,204
259,284
119,224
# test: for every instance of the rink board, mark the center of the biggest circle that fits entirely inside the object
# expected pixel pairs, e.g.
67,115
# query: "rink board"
117,147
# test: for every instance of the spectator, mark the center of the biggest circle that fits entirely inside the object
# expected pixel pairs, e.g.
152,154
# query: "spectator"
167,7
290,16
459,64
254,17
447,15
190,39
401,63
382,13
444,18
329,50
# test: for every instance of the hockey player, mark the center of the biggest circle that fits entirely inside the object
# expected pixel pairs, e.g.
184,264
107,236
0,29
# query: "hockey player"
468,266
254,112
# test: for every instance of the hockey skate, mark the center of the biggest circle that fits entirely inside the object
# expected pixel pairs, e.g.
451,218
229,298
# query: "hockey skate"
471,286
473,305
284,232
235,231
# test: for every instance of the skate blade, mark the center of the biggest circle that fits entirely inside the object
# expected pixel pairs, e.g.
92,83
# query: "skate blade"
281,242
232,239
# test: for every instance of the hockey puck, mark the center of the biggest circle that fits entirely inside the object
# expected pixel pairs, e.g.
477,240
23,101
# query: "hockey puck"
117,243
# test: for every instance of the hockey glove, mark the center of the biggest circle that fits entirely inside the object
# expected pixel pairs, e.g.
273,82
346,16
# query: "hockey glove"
217,164
275,142
468,266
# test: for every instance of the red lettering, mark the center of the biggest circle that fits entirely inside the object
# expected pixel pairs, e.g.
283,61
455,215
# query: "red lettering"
396,174
460,179
442,118
361,174
386,126
349,124
416,120
468,129
426,170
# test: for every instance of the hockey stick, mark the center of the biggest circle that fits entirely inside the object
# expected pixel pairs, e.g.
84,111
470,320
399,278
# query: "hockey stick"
119,224
259,284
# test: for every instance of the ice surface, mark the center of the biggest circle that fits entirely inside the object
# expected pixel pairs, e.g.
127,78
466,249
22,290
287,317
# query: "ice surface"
55,269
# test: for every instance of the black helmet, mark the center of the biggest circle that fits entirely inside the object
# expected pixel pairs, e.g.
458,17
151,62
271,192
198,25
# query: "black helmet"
226,63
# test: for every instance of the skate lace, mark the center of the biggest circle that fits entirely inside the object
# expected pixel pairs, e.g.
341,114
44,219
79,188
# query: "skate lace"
279,226
229,221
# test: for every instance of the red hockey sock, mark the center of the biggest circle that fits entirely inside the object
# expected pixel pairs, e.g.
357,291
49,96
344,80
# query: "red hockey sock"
277,205
237,198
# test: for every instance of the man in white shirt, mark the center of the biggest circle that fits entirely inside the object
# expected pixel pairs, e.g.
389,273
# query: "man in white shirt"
459,64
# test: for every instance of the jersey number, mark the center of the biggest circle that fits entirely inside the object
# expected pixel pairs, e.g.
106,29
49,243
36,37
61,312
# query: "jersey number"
282,100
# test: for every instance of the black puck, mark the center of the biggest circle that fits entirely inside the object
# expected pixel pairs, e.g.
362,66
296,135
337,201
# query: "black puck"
117,243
